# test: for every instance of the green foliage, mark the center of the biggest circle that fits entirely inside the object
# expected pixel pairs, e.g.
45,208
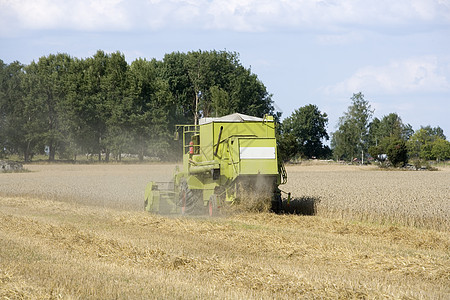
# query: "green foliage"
390,136
147,105
303,132
387,137
390,125
213,83
421,144
376,151
45,85
398,143
102,104
287,146
352,137
396,151
13,117
440,149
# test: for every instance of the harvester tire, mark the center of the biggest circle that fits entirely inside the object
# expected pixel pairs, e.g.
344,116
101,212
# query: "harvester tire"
187,199
277,204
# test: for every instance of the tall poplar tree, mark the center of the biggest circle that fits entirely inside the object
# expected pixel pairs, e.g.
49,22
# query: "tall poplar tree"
351,139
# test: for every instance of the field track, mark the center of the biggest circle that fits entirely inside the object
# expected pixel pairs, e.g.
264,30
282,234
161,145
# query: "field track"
78,232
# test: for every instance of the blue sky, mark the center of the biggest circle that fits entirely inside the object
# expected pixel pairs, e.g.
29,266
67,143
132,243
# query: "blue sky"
397,53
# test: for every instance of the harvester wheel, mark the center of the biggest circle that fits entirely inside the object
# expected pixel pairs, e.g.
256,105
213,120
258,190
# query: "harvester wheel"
212,206
187,199
277,203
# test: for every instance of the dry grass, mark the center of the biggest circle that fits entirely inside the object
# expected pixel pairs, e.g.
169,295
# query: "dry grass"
412,198
118,186
409,198
84,237
52,249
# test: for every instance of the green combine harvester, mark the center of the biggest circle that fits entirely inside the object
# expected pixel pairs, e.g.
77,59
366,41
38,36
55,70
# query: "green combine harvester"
226,160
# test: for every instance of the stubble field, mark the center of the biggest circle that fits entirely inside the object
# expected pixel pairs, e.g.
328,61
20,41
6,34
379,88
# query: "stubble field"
78,232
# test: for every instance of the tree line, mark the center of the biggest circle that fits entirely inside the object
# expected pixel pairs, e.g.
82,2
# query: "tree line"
360,137
65,106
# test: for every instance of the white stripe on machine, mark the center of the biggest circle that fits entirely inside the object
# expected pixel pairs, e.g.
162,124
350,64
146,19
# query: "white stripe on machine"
257,152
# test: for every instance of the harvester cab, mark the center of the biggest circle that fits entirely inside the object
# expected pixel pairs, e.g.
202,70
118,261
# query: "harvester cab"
226,161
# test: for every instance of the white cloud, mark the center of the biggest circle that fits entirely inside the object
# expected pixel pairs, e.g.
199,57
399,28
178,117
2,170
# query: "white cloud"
421,74
56,14
237,15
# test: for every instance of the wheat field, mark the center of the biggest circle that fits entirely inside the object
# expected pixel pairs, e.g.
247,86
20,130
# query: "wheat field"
412,198
79,232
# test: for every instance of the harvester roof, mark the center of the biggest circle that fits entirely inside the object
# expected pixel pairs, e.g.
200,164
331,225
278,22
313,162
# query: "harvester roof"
233,118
